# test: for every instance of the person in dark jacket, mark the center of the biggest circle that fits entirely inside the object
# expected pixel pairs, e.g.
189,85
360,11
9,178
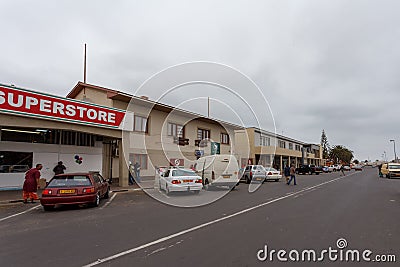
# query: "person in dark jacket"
59,168
287,173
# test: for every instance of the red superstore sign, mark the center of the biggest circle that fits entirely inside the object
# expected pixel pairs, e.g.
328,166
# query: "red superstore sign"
28,103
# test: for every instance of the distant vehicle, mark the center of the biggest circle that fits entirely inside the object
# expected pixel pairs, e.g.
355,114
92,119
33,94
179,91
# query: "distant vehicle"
75,188
335,168
358,167
218,170
272,174
254,173
391,170
177,179
346,168
309,169
326,169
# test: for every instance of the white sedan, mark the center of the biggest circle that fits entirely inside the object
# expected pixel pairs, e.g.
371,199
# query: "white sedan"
180,180
272,174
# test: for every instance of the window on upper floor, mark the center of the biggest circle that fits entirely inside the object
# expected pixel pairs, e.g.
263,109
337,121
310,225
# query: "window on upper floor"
140,124
225,138
176,130
281,144
203,134
265,141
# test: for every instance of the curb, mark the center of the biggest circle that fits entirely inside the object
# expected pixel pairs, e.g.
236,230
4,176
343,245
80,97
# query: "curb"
15,201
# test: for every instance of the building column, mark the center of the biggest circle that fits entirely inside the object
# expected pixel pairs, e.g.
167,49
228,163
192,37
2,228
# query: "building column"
123,168
281,169
289,162
296,162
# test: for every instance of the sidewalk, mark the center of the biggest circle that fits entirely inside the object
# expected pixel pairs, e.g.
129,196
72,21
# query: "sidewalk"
15,195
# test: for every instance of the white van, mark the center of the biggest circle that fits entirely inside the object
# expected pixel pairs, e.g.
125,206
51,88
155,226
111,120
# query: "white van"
218,170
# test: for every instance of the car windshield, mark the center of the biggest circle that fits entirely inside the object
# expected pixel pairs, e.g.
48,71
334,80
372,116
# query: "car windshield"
394,166
70,181
183,173
258,167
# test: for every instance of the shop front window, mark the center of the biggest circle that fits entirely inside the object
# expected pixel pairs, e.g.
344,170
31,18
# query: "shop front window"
15,162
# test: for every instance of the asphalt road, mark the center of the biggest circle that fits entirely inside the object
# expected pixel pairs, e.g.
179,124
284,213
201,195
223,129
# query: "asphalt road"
135,230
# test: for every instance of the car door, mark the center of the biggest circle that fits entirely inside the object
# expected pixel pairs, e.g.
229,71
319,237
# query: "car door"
104,184
97,184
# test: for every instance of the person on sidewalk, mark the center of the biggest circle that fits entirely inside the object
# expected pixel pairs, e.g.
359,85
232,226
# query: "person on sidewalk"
131,181
31,184
59,168
136,168
287,173
292,175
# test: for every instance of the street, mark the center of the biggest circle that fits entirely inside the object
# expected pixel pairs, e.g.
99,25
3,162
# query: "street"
133,229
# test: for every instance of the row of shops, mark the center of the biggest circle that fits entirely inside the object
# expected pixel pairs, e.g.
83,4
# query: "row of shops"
101,129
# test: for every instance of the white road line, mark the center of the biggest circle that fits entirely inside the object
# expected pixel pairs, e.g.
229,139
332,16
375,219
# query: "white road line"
20,213
108,202
129,251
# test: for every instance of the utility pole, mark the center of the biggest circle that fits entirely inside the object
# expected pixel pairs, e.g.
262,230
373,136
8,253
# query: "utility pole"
394,149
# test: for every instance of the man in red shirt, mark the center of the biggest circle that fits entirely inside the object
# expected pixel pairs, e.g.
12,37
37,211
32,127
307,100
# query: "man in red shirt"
31,183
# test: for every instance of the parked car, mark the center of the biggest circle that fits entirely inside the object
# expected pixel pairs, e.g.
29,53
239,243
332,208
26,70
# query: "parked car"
309,169
326,169
334,168
177,179
358,167
254,173
75,188
272,174
218,170
346,168
391,170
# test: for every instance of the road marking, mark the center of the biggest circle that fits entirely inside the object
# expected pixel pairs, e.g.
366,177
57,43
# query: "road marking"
129,251
20,213
109,201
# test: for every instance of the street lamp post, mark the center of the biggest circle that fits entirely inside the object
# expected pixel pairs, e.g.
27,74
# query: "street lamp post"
394,149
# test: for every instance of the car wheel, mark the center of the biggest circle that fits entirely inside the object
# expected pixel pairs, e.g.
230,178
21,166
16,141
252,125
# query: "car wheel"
388,175
48,207
247,180
196,192
334,170
96,202
276,180
107,194
317,173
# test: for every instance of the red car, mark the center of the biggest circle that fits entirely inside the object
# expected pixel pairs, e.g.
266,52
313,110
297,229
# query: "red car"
75,188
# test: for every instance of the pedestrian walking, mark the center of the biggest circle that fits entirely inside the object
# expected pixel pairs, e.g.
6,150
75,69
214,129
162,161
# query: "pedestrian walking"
292,175
380,170
59,168
287,173
131,181
31,184
136,168
342,170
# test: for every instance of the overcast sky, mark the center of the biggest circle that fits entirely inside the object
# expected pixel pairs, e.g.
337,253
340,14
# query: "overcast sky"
321,64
